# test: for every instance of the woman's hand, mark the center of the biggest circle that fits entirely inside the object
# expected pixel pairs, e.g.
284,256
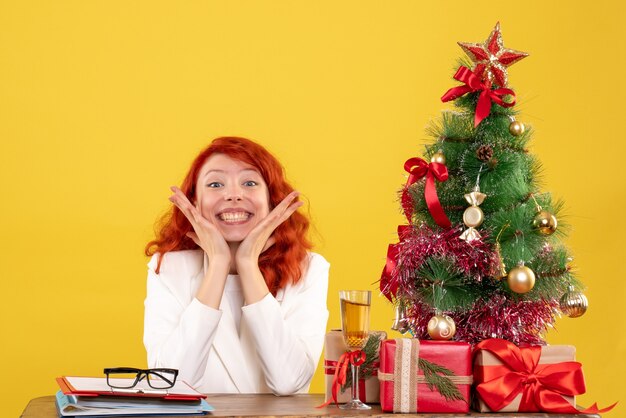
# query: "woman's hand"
205,234
258,240
260,237
213,244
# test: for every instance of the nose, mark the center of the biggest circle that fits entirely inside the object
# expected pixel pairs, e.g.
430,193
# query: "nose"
233,193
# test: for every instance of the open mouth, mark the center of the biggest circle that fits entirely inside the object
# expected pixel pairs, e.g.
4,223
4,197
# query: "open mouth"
234,217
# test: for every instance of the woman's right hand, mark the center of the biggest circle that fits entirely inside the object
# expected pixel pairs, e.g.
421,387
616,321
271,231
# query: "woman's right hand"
205,234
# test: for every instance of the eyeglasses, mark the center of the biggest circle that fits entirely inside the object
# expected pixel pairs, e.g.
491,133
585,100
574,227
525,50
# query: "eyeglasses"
128,377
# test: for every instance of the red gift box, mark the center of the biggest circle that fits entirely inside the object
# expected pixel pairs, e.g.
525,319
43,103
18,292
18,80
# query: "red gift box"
334,347
530,379
403,386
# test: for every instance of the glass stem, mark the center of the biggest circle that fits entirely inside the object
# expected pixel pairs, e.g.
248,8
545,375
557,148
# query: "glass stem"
355,383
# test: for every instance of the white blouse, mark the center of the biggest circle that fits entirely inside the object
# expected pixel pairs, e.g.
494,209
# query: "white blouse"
272,345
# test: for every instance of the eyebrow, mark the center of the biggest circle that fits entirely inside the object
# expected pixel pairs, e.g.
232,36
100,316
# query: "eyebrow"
222,171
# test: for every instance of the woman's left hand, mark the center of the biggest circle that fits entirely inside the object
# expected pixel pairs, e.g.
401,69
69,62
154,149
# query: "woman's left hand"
260,237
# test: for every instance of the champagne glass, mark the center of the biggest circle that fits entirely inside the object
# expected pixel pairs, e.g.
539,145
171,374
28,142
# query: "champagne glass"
355,324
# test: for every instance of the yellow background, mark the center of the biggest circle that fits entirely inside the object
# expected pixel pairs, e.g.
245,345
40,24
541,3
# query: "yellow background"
103,104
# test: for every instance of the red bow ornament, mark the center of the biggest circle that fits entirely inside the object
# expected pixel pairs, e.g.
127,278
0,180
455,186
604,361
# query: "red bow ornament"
543,386
388,279
418,168
472,84
389,286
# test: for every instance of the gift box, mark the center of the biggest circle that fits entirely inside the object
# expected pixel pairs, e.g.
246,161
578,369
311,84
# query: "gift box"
531,379
334,348
425,376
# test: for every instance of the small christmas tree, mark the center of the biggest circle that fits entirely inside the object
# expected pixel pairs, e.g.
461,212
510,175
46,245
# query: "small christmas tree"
481,256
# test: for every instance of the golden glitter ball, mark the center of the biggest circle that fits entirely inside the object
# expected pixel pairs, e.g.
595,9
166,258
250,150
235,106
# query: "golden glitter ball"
438,157
441,327
521,279
516,128
545,222
473,216
573,304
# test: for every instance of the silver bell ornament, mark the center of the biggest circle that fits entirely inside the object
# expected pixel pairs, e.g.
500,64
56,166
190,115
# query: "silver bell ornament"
401,322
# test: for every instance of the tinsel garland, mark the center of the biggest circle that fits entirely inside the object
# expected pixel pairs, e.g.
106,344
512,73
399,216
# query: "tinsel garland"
522,322
477,260
500,316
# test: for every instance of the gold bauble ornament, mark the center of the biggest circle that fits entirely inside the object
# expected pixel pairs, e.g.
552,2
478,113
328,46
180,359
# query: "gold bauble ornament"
441,327
516,128
573,303
545,222
521,279
438,157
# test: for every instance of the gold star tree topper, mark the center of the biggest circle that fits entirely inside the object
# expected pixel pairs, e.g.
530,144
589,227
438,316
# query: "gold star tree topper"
492,58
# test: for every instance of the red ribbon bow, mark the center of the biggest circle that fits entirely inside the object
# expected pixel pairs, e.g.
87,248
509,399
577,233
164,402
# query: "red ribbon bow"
356,358
388,284
472,84
542,385
417,169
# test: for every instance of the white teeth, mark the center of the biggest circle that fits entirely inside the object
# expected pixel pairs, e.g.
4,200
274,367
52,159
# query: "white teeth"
234,216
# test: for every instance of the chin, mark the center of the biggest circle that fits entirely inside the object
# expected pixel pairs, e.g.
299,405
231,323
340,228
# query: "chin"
235,237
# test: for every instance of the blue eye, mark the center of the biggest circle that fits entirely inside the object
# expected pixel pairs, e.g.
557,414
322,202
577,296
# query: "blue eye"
250,183
214,184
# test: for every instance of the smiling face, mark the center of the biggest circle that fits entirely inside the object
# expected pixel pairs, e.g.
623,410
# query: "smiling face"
233,195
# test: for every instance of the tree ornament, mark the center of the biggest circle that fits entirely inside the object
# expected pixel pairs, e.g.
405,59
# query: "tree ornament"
473,216
417,169
401,322
502,274
438,157
441,327
492,58
484,153
545,222
521,279
516,128
573,303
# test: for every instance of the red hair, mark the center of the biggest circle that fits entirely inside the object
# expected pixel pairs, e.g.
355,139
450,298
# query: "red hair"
280,264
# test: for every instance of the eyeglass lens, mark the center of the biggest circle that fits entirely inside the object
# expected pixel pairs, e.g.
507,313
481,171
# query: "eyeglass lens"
161,379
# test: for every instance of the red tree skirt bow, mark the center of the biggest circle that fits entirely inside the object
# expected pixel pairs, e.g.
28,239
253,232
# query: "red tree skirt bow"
418,168
542,385
487,96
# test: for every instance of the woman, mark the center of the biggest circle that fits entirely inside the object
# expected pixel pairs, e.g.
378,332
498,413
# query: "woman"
235,300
